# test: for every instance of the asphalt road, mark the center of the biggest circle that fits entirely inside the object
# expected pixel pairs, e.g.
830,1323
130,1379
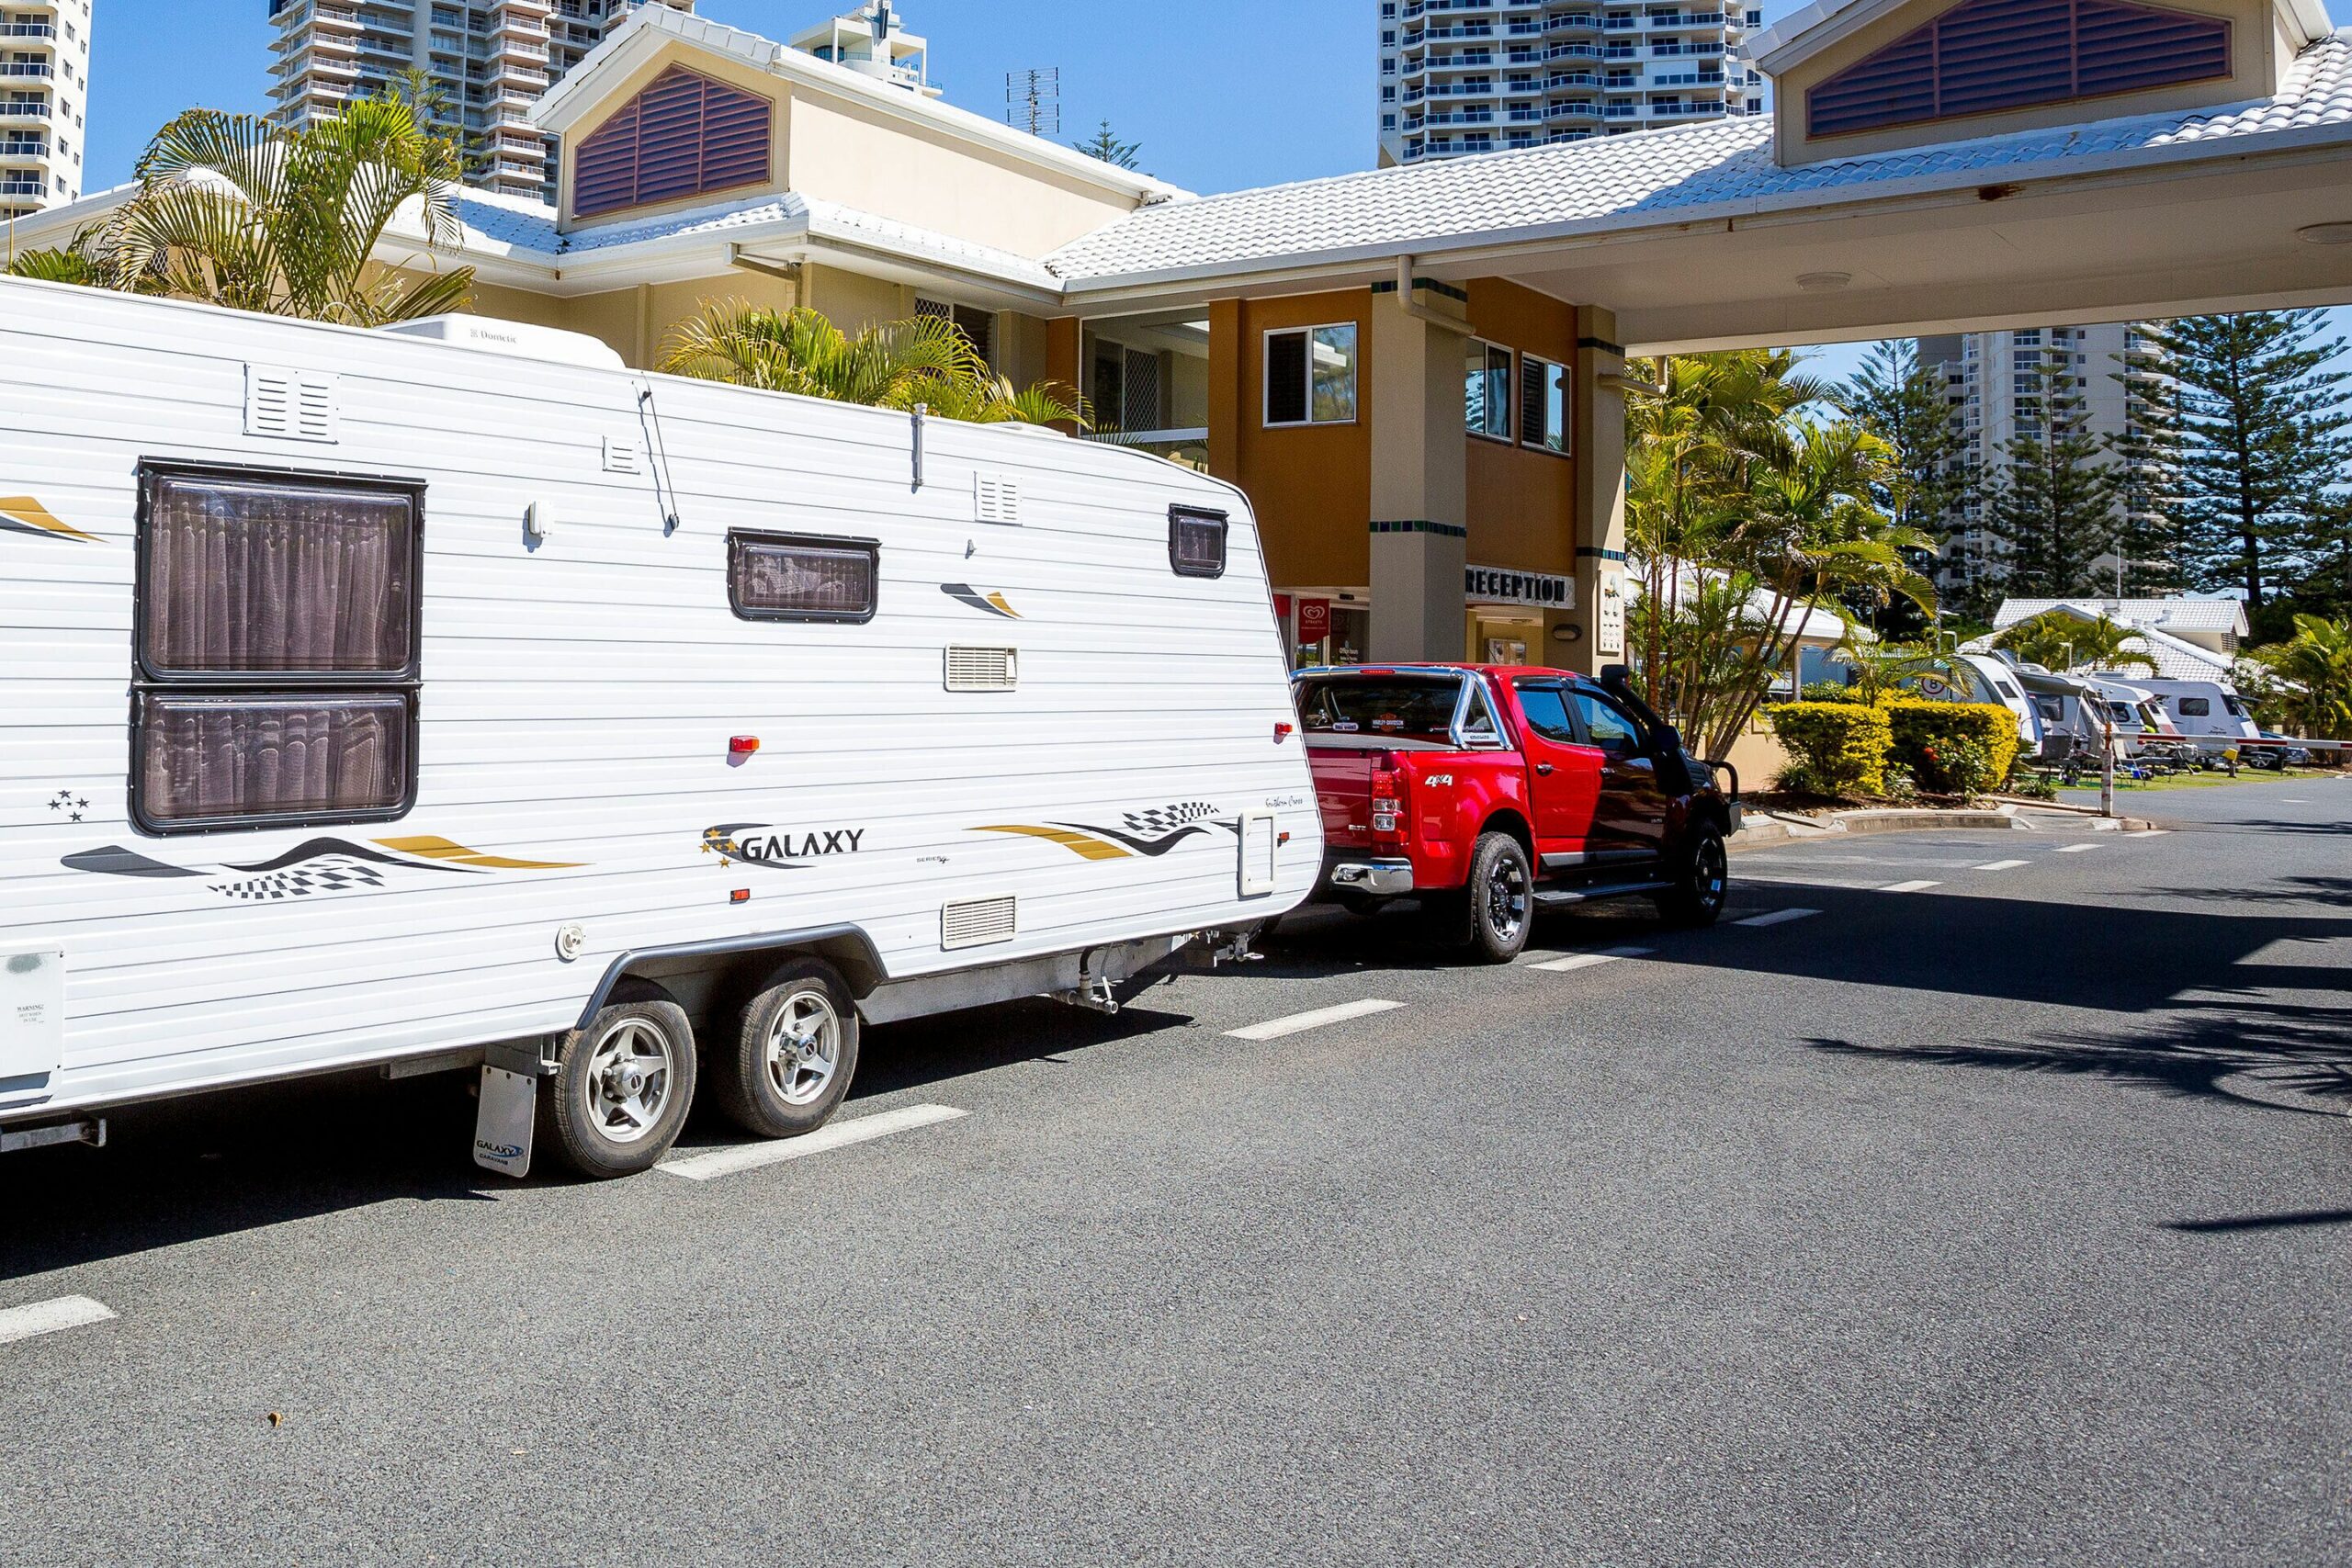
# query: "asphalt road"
2005,1220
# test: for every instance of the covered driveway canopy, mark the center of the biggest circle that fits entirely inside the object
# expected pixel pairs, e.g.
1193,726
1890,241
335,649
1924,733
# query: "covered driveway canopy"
1703,237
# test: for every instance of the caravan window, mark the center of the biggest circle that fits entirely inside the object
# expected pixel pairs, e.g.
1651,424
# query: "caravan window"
2196,707
275,649
1196,542
790,577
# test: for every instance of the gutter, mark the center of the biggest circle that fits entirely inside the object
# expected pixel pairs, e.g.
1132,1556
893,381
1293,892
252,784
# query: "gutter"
1419,312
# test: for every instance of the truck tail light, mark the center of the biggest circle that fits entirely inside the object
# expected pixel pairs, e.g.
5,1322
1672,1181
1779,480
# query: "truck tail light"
1387,796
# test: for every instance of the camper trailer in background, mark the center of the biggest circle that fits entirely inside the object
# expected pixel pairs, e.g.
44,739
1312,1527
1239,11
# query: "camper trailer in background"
373,699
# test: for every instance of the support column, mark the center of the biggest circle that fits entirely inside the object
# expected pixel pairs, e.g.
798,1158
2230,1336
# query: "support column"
1064,336
1600,426
1419,456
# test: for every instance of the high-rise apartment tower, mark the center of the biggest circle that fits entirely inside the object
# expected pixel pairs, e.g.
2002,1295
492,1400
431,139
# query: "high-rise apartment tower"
490,58
1475,75
44,100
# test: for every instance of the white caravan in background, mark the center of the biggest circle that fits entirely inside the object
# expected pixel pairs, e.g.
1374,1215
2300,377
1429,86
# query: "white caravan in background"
1987,678
369,699
2200,708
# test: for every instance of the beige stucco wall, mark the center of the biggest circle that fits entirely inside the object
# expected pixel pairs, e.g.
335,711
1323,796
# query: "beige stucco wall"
2259,55
637,321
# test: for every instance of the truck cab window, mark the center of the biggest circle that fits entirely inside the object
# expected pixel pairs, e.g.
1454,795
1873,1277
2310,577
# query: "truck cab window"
1610,726
1478,725
1546,708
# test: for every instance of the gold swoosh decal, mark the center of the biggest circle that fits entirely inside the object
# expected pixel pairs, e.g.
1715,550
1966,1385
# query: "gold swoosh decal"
431,848
998,600
1077,843
32,516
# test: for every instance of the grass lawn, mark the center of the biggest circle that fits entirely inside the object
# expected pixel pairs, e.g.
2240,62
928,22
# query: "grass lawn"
2196,780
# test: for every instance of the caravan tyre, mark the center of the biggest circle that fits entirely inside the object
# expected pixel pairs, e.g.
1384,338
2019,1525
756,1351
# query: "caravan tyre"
621,1089
790,1064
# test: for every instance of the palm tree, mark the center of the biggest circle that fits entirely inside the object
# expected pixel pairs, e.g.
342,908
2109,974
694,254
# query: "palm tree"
1882,668
923,360
2057,640
236,211
2313,669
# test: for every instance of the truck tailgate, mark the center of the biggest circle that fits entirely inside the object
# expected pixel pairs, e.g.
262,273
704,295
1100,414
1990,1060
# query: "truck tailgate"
1342,791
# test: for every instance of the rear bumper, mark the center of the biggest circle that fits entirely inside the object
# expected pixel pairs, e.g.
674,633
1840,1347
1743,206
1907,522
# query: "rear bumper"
1382,876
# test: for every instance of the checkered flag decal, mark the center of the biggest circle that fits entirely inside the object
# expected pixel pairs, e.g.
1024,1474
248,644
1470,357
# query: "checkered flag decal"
1168,818
332,874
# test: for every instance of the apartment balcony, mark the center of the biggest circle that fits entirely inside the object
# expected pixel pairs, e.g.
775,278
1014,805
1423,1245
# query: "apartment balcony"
1470,29
1572,79
1682,21
27,29
1686,110
19,186
23,149
1459,117
26,69
1574,51
1686,51
1579,110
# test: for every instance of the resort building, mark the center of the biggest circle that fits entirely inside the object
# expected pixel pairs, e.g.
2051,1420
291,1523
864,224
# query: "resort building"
872,40
44,101
1460,76
1417,376
490,61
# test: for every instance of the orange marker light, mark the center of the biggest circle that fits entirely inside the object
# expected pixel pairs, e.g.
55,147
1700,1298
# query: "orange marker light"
742,745
741,896
1281,733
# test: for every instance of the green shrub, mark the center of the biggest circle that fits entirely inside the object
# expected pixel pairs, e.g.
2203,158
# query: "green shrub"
1952,748
1830,692
1837,748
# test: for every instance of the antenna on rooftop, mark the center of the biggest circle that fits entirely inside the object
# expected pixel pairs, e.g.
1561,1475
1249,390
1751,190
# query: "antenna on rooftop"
1033,101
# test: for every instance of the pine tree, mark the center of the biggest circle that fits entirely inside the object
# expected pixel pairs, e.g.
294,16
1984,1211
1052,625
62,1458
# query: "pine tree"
2051,505
1106,145
2147,459
1900,400
2262,439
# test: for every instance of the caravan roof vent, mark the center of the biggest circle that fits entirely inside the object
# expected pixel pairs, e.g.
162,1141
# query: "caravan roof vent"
996,498
513,338
292,405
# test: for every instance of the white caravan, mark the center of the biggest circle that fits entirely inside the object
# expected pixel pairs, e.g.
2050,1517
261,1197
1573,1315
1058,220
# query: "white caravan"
373,699
2198,707
1985,678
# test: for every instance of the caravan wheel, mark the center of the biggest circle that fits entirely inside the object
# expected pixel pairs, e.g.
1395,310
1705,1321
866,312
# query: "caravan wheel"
622,1089
794,1057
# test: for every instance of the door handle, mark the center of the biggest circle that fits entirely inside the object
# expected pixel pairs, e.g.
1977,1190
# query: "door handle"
1543,767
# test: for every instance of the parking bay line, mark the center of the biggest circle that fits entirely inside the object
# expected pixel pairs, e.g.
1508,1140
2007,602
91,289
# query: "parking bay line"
1776,917
1910,886
713,1163
1586,959
48,1317
1274,1029
2003,865
2076,849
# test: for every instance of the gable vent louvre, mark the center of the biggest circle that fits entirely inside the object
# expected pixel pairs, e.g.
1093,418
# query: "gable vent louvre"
290,405
996,498
977,922
983,669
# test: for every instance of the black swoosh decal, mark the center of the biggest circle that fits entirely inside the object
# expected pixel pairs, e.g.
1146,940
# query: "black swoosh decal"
965,593
1153,847
115,861
313,847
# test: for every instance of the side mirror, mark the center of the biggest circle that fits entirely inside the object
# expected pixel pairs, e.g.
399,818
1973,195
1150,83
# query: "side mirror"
1668,740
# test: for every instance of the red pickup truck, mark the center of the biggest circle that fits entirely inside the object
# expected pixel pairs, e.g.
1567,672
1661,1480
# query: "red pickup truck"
1484,790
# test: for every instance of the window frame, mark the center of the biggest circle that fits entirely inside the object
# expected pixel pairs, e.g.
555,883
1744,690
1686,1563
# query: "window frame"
1644,742
1266,376
1509,434
735,537
1567,446
1224,522
321,687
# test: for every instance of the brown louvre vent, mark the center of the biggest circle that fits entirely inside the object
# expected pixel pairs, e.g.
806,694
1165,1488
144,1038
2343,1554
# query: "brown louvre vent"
1987,55
683,135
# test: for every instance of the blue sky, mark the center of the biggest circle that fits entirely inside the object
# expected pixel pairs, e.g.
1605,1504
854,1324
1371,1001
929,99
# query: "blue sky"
1222,94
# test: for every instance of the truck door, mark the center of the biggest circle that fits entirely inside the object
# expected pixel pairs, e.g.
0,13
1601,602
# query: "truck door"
1562,772
1630,821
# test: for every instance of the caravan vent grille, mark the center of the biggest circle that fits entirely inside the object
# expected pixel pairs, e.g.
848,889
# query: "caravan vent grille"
976,922
996,498
983,669
620,457
290,405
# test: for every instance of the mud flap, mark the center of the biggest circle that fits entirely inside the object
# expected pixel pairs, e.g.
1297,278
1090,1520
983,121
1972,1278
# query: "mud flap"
509,1107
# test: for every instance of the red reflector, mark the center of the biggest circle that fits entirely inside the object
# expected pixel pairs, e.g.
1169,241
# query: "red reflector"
742,745
741,896
1281,733
1282,838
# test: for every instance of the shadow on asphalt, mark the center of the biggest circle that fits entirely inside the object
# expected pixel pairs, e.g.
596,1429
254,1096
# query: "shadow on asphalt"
2296,1219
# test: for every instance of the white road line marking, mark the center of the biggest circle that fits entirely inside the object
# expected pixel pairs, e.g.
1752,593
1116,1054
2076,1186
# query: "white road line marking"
1910,886
2293,800
2003,865
48,1317
832,1135
2076,849
2151,833
1586,959
1776,918
1274,1029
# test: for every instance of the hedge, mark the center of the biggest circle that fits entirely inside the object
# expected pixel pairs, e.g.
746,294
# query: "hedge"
1952,748
1834,748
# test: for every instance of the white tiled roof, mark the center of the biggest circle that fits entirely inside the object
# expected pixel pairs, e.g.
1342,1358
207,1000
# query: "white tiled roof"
1676,175
2179,613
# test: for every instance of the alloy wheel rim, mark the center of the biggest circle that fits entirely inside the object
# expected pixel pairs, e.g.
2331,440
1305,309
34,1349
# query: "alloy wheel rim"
804,1047
1506,898
630,1070
1713,871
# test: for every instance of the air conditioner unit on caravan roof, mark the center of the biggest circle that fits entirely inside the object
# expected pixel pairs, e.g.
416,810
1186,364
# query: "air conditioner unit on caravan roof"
522,341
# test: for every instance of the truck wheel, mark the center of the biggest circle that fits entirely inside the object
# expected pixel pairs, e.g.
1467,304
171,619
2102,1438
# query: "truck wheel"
1702,879
792,1060
1502,898
621,1089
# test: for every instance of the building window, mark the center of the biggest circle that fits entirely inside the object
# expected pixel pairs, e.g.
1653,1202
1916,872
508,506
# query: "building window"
1196,542
1486,390
683,135
1544,404
276,649
791,577
1311,376
979,327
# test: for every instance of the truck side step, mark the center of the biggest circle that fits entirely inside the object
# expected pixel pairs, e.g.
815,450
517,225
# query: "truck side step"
1557,897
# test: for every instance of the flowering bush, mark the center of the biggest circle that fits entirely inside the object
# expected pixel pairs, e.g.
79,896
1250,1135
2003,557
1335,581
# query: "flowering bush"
1961,748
